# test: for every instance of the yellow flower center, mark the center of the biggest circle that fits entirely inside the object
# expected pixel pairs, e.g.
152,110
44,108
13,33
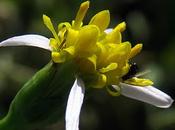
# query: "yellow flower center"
102,58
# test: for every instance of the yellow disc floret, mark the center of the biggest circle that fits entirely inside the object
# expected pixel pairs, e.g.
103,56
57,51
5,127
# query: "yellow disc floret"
102,59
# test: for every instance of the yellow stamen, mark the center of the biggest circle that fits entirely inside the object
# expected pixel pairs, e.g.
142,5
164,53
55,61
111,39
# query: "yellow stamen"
114,37
101,19
135,50
72,37
110,67
53,44
119,53
93,60
121,27
86,65
49,25
62,25
101,82
57,57
80,15
87,39
139,81
70,50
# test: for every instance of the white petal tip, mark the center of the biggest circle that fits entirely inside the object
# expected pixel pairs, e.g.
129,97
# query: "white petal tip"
148,94
27,40
168,103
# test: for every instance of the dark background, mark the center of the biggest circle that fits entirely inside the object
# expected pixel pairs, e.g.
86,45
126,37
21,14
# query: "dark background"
151,22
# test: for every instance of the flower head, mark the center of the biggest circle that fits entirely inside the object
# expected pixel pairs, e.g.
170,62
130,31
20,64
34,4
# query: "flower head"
102,59
88,45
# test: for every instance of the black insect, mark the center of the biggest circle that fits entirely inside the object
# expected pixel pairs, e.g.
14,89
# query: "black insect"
132,71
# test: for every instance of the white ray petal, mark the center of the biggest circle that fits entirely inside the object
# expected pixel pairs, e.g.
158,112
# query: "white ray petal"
74,103
27,40
108,30
148,94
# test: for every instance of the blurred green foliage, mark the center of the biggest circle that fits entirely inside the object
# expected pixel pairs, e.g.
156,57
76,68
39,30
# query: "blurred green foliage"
150,22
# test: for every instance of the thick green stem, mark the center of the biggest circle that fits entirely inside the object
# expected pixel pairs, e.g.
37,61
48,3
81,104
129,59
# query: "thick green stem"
42,100
9,123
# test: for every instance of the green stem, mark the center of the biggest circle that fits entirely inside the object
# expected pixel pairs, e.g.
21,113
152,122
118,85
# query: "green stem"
12,124
42,100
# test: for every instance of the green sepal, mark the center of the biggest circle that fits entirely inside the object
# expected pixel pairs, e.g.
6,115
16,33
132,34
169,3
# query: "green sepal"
42,100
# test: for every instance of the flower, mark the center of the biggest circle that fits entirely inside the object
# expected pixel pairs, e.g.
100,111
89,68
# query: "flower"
102,60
